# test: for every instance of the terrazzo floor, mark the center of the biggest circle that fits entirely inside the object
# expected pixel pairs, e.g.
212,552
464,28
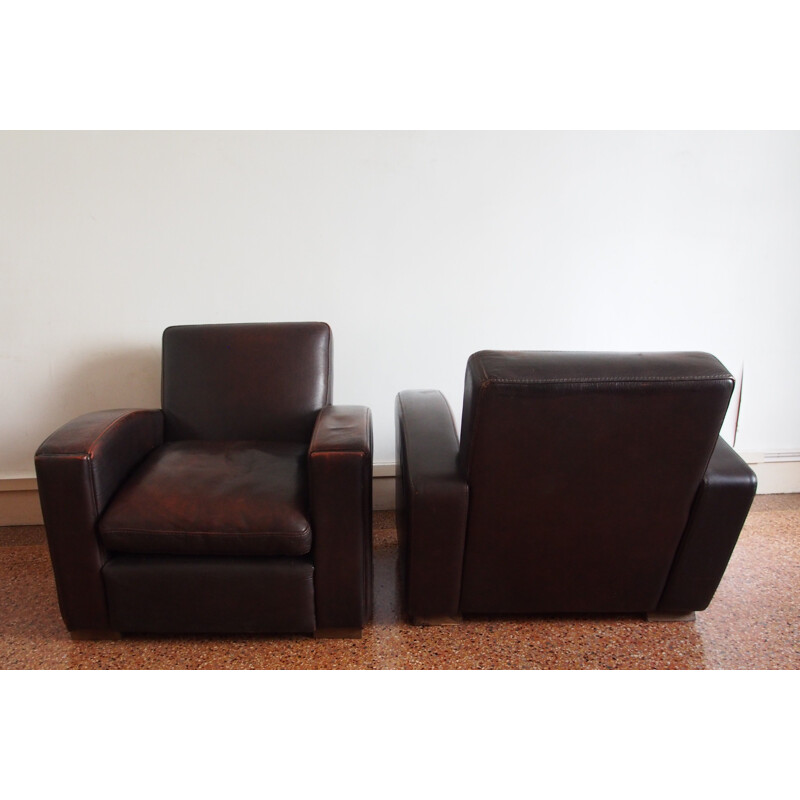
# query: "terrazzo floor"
752,623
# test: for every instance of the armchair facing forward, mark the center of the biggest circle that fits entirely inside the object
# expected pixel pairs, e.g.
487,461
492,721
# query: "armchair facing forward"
243,505
583,482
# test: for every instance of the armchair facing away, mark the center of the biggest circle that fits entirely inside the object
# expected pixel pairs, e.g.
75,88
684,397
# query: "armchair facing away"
243,505
582,483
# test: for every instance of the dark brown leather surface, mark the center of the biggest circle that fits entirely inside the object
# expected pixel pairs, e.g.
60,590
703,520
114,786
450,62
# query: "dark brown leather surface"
432,500
556,371
78,469
340,493
211,533
182,594
213,498
114,441
718,514
242,382
582,470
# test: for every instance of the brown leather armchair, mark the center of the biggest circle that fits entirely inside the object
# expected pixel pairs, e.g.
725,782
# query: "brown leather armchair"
243,505
582,483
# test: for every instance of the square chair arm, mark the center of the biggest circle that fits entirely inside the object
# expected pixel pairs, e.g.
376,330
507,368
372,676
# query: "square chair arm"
340,499
718,513
79,468
432,504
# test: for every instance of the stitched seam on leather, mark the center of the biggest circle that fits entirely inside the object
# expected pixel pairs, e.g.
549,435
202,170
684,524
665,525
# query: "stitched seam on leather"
338,453
88,460
621,379
63,455
328,376
471,454
115,422
87,451
483,367
208,533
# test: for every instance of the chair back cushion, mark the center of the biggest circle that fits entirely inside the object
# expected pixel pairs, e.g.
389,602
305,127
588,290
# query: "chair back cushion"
264,381
582,468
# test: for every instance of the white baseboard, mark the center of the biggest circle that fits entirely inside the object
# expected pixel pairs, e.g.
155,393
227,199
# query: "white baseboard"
775,475
383,494
19,498
19,502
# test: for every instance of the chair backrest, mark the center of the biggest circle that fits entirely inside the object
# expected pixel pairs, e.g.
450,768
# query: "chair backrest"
262,381
582,468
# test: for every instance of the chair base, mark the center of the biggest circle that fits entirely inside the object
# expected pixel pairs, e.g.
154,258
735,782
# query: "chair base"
662,616
338,633
85,635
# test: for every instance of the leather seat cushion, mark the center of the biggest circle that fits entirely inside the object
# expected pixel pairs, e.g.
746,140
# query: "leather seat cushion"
213,498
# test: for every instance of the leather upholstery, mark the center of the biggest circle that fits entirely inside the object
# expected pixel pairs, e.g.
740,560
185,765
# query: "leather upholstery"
217,513
584,454
280,372
432,498
213,498
718,514
112,442
78,468
340,483
210,595
582,471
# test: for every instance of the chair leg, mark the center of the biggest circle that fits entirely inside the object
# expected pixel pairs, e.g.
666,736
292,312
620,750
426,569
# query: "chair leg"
84,635
661,616
436,621
337,633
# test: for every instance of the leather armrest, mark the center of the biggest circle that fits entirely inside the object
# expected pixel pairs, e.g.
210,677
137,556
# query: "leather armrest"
112,442
718,513
79,467
340,498
432,504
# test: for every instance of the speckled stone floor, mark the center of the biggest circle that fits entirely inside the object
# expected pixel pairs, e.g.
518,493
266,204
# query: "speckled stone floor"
752,623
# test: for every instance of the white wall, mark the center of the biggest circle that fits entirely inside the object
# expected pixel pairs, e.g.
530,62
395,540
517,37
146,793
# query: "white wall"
417,248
